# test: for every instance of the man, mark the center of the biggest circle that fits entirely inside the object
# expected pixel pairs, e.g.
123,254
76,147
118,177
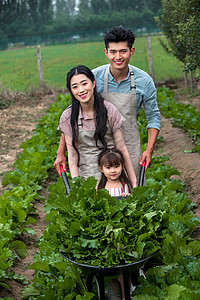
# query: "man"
128,88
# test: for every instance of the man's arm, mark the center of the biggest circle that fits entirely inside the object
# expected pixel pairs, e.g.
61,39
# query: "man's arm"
120,144
154,120
147,154
61,159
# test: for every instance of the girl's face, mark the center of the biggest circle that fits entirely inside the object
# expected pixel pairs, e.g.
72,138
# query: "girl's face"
112,173
82,88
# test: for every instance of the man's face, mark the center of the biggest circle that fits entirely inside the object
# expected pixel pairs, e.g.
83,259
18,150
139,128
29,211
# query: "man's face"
119,55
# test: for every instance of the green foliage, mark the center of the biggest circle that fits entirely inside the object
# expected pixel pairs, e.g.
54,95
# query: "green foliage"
96,229
31,169
167,22
180,24
189,32
93,227
47,17
184,116
173,281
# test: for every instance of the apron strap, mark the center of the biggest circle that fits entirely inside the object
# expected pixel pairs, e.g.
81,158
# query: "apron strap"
132,81
80,124
106,80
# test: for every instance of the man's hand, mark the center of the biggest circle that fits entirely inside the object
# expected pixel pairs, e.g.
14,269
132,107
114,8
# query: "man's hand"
146,156
60,161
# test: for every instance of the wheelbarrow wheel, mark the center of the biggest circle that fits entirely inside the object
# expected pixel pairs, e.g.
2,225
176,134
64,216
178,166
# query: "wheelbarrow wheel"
114,290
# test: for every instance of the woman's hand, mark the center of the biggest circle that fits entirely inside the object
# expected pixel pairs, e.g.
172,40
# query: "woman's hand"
60,161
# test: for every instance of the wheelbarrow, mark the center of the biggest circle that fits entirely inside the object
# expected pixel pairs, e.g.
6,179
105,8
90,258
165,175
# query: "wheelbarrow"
130,272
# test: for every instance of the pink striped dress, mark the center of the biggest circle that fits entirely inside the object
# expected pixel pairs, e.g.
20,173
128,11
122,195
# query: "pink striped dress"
118,191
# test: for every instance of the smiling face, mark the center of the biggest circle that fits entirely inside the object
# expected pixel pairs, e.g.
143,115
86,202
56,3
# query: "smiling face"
113,172
82,88
119,55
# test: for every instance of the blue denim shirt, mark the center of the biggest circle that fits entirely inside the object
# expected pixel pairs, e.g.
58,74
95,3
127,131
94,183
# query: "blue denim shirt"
145,91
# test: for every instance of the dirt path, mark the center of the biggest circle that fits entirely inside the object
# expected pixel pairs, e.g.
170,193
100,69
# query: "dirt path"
176,144
16,125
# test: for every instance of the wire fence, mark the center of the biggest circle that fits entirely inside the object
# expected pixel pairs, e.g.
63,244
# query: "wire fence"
68,37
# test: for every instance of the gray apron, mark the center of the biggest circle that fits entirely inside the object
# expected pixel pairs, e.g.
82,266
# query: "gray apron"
88,165
127,105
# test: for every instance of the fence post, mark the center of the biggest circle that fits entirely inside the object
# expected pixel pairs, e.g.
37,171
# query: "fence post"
39,61
150,58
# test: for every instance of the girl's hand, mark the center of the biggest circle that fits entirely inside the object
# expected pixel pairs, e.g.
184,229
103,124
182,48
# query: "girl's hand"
125,194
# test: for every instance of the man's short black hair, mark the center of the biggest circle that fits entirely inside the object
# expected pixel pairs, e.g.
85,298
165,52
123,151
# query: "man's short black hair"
119,34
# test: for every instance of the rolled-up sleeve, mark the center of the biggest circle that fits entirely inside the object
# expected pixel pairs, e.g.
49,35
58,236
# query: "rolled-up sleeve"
64,123
151,106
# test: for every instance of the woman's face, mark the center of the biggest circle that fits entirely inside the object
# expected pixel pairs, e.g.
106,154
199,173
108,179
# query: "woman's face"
82,88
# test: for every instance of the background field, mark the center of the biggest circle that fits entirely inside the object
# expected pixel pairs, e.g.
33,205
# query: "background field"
19,69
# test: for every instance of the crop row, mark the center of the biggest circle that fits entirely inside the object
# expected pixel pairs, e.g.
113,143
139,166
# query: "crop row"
24,185
181,115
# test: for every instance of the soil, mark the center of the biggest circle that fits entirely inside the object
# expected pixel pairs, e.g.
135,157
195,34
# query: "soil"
17,123
16,126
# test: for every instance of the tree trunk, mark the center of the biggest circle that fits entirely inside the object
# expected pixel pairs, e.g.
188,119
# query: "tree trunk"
186,80
192,81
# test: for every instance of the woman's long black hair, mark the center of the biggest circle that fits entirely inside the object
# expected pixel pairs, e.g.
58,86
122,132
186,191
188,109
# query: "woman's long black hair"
112,157
99,107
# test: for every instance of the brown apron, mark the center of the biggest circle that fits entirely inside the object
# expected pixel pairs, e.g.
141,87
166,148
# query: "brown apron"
127,105
88,165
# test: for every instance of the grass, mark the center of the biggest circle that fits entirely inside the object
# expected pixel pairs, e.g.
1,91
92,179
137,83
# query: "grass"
19,69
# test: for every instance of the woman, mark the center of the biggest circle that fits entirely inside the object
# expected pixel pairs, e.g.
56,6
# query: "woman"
90,125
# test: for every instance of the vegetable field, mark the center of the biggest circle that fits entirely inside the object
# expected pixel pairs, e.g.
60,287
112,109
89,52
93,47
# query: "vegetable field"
166,220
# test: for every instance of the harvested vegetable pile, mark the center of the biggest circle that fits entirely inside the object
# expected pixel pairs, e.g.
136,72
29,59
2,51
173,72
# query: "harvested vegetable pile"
96,229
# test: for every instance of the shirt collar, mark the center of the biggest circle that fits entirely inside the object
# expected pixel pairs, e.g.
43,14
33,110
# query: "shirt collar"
113,79
84,116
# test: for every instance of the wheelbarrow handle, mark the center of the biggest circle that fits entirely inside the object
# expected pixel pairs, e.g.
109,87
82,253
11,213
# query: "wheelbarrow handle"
142,173
65,179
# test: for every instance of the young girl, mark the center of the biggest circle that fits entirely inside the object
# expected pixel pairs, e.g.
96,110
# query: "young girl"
113,176
89,125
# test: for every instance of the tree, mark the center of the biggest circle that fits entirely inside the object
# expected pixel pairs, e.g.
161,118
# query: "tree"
189,30
99,6
180,23
20,18
84,7
64,8
33,11
45,14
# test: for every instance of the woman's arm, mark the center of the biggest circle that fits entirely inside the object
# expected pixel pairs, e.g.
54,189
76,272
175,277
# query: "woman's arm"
61,159
72,157
120,144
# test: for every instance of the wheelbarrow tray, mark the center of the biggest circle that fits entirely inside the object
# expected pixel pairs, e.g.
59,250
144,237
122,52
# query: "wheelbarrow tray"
110,271
129,271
